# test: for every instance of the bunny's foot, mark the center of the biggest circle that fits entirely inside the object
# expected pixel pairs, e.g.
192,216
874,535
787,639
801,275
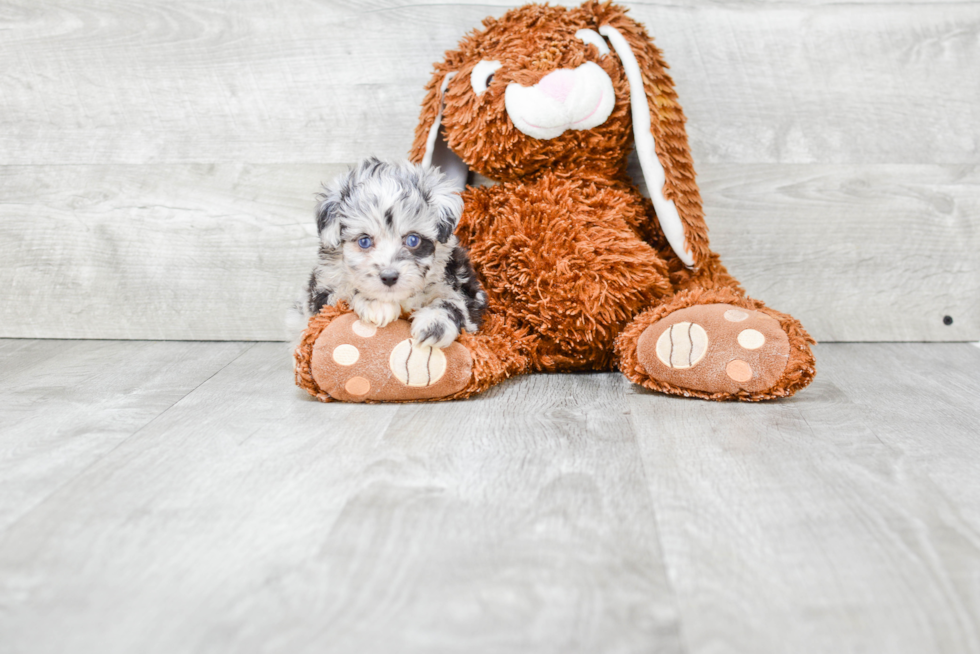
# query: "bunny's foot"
717,345
342,358
353,361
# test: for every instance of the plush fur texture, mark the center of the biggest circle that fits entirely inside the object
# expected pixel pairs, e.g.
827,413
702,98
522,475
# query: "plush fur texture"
387,248
572,257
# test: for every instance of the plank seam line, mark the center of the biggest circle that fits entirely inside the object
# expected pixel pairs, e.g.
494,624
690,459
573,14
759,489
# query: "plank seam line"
681,636
81,472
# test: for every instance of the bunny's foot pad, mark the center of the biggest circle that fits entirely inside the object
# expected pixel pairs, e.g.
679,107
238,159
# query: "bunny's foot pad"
715,348
357,362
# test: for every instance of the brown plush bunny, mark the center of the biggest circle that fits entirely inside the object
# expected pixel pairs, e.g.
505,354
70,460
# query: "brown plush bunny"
582,271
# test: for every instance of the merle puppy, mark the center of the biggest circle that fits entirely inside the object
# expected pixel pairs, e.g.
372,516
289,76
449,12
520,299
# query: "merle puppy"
387,247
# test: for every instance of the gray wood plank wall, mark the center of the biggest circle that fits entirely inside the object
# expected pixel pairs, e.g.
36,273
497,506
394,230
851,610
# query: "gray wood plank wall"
158,162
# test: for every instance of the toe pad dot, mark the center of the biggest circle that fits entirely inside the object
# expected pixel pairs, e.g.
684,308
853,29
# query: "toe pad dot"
739,370
363,329
346,355
734,315
751,339
357,386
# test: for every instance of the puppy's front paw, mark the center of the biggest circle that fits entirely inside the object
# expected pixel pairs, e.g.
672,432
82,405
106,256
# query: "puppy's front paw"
433,327
376,313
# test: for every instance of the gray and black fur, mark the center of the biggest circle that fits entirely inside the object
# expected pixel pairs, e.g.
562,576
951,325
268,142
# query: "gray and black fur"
414,263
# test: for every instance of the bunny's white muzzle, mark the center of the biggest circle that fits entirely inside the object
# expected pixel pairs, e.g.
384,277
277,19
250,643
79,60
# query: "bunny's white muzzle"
579,98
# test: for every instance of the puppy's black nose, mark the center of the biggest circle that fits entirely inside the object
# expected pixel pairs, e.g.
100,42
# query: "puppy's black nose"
389,277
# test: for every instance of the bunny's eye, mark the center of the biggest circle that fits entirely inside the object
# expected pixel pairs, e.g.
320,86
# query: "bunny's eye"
591,37
482,75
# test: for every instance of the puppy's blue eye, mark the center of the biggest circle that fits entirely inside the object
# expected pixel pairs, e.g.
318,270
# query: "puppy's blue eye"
365,242
412,240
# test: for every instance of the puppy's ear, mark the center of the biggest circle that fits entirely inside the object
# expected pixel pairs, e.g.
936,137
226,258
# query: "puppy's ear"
442,196
659,135
430,148
450,208
328,223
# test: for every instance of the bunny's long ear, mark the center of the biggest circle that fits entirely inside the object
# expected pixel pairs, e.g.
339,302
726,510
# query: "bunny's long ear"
660,138
430,148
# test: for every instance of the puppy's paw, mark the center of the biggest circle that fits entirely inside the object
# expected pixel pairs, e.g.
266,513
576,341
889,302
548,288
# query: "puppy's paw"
375,312
433,327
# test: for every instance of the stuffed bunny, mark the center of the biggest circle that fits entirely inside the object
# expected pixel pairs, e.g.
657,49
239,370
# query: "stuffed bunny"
582,271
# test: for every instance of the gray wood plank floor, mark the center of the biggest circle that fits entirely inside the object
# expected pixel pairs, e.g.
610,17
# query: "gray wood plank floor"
185,497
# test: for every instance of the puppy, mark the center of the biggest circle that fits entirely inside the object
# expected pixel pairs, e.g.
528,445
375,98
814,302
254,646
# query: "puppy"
387,247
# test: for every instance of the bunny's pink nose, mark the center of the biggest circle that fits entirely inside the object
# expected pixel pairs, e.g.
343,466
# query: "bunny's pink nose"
557,84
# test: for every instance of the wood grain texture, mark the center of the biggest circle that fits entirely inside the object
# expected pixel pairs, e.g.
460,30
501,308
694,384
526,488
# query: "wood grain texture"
169,252
940,447
862,253
555,513
157,162
200,82
248,518
66,404
219,252
844,519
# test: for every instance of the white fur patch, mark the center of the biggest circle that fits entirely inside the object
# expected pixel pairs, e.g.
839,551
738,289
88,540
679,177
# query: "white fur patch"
375,312
579,98
430,317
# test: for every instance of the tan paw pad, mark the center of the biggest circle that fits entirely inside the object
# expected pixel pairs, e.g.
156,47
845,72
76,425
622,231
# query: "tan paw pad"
715,348
356,362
